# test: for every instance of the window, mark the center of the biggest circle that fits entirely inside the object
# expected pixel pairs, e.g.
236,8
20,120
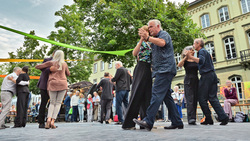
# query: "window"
177,60
94,81
110,65
210,48
230,48
223,14
205,21
237,81
248,36
95,68
102,65
245,5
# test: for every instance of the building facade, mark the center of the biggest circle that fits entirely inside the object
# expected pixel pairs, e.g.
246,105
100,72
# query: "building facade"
226,24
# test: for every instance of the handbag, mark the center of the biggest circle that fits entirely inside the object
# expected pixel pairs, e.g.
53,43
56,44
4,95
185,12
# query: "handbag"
70,111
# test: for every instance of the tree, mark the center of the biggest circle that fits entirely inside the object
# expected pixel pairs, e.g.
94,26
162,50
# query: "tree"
114,24
71,30
29,50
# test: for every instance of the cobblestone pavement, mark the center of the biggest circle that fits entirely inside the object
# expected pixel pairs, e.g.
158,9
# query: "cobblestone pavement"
96,131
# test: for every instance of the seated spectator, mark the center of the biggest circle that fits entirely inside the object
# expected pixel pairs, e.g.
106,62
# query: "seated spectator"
89,108
231,99
33,111
178,98
13,110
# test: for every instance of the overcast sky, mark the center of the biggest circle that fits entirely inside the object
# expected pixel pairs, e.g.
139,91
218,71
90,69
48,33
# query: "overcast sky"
27,15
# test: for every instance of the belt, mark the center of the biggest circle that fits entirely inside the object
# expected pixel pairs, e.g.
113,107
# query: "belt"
8,91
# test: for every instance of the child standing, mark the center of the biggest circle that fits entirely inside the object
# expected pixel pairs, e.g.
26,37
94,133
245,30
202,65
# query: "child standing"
89,108
81,107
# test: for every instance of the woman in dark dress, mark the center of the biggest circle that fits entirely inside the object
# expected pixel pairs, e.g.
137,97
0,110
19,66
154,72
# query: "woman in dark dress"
22,97
191,83
142,84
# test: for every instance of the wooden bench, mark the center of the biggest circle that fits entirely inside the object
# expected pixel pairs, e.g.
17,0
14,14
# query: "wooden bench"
242,103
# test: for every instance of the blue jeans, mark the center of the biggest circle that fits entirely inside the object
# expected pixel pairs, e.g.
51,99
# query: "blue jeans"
67,112
81,113
161,91
179,110
121,96
74,113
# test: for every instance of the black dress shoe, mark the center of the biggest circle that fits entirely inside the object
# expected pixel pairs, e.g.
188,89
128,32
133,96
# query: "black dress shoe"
107,122
142,123
100,122
16,126
5,126
224,121
206,122
118,123
131,128
192,122
41,126
174,127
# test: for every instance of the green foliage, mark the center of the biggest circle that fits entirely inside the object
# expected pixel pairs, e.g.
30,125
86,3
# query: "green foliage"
71,30
115,24
29,50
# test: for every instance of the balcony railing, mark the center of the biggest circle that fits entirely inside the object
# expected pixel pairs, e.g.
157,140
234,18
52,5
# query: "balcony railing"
245,58
245,55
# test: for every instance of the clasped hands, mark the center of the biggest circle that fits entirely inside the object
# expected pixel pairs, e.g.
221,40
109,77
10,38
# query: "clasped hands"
143,34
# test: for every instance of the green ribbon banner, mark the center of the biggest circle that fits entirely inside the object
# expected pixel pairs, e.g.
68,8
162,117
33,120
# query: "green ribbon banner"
118,52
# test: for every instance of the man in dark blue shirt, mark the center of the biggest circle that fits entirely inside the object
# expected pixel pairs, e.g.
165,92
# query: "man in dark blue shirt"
164,70
208,84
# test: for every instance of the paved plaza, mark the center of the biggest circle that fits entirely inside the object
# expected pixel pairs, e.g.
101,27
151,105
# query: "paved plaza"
96,131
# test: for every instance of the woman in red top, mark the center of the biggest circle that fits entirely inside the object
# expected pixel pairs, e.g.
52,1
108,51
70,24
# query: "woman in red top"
231,98
57,85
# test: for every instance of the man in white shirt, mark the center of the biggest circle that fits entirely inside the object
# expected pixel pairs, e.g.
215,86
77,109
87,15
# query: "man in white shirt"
96,100
8,89
74,104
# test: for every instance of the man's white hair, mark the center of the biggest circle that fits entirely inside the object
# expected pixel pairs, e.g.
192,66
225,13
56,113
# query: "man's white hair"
157,22
16,69
118,62
176,87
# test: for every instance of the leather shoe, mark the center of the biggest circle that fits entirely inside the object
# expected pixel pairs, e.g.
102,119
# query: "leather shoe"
192,122
16,126
131,128
5,126
142,123
224,121
174,127
118,123
206,122
41,125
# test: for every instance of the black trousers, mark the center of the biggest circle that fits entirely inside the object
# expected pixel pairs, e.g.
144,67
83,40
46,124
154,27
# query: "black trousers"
141,93
44,101
22,102
191,84
208,92
106,105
